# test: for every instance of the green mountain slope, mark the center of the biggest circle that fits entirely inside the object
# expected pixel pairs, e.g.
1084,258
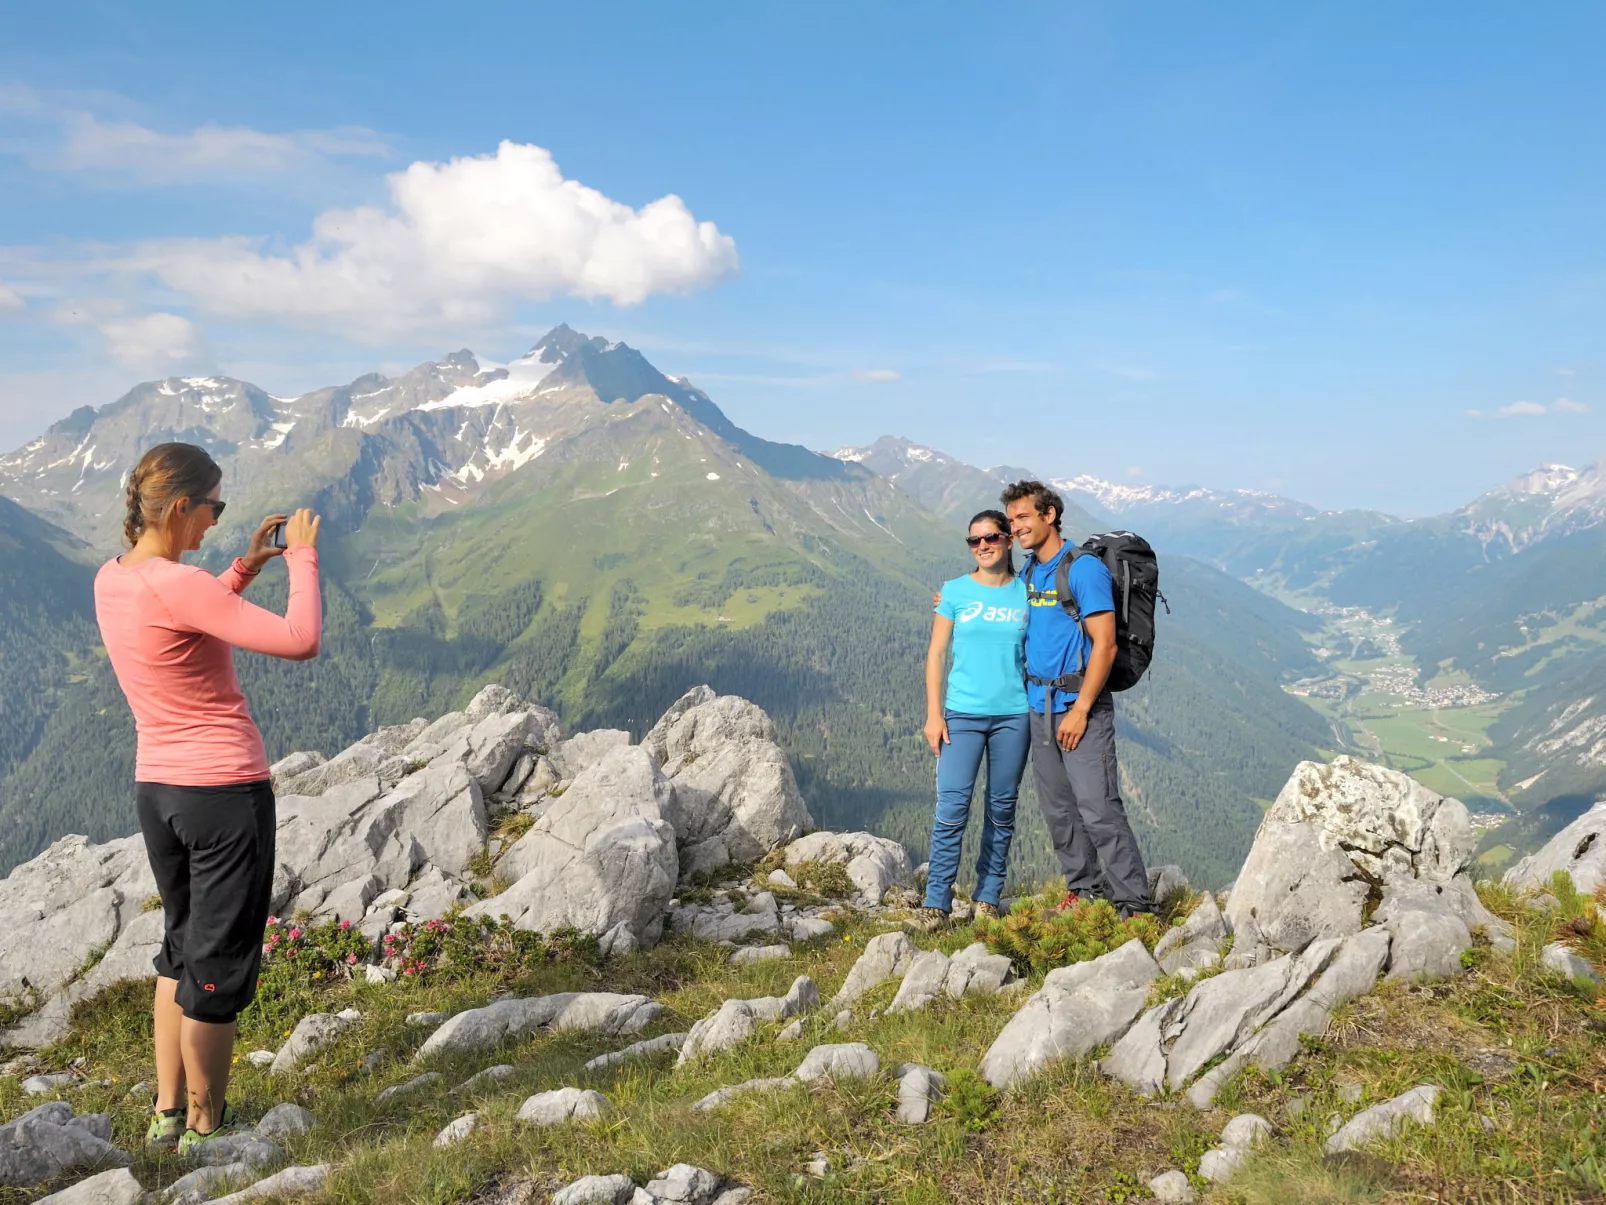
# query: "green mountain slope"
601,538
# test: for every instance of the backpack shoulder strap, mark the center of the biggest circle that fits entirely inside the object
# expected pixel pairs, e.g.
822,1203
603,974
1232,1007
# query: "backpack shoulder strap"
1062,584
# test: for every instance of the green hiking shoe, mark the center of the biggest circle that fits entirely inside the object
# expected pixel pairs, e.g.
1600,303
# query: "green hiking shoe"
984,911
228,1124
165,1130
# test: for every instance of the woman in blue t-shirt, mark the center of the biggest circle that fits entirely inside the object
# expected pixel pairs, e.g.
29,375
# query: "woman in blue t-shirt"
983,615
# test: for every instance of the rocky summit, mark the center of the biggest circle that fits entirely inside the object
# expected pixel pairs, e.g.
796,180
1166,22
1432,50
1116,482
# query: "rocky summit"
750,1037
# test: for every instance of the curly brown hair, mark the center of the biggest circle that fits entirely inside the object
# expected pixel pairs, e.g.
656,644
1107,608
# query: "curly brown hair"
1042,498
165,475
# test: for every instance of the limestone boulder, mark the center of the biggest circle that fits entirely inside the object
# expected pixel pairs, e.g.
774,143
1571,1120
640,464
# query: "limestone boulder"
572,757
886,956
1335,836
602,855
735,798
1579,849
481,1029
44,1145
1078,1009
873,863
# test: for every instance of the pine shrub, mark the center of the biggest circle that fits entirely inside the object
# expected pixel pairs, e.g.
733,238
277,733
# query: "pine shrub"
1036,937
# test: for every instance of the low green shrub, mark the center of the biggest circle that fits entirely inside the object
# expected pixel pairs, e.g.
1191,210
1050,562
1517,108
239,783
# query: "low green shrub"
971,1100
456,946
1036,936
829,879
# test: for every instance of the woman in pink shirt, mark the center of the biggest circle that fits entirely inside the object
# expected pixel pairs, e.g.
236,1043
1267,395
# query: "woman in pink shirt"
201,774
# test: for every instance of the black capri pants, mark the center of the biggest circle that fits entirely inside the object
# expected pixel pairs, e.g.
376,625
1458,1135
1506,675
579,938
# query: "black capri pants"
212,851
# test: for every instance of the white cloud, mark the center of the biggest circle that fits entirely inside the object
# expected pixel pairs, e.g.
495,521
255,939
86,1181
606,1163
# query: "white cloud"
57,133
1565,405
154,344
878,374
460,244
1521,410
11,301
1134,471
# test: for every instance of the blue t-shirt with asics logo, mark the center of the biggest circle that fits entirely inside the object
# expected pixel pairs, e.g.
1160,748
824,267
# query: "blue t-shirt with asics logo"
988,674
1056,644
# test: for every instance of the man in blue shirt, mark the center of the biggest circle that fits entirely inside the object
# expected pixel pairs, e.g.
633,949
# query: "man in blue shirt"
1072,715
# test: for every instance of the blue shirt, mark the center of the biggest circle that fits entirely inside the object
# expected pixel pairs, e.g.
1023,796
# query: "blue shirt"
1055,644
988,675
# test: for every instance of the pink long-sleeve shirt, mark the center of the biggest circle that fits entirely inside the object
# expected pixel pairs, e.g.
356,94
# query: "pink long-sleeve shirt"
171,630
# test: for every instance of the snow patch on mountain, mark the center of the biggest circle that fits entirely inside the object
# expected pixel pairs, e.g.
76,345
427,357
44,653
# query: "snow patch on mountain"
518,380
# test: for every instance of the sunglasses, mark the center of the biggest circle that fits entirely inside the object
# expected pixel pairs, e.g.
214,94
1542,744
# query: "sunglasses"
991,538
217,505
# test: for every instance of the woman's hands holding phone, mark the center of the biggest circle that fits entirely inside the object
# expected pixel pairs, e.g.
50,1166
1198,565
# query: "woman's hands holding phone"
276,533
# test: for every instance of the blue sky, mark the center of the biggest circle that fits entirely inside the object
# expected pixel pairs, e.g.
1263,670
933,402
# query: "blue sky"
1276,246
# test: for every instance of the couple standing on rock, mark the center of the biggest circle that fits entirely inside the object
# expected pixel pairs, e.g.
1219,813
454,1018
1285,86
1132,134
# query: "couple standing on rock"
1027,677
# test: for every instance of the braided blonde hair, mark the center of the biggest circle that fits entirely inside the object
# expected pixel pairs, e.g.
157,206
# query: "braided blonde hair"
163,477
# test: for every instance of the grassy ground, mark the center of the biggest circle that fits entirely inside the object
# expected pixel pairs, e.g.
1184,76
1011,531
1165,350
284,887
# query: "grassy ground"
1521,1057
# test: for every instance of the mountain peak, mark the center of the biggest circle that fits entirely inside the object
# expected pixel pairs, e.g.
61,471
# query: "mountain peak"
1547,480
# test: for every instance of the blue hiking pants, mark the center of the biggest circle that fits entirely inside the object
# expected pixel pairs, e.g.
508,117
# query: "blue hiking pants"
1006,739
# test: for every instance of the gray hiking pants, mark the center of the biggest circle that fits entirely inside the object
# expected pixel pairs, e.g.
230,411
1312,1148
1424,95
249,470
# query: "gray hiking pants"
1080,796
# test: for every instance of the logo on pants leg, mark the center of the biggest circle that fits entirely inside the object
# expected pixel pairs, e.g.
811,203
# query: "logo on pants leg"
209,987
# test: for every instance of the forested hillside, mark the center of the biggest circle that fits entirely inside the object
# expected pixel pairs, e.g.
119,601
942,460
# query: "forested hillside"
603,542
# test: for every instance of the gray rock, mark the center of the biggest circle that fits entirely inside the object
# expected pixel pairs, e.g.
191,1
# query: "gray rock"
720,1097
260,1058
426,1020
1172,1188
740,1195
42,1145
976,971
513,1019
807,928
248,1149
1559,960
735,796
573,757
1387,1119
1427,946
873,863
603,853
1165,882
886,956
291,765
749,954
1246,1129
684,1184
1333,829
209,1181
51,1081
1579,849
98,1124
485,1079
311,1034
291,1182
1196,943
791,1032
1220,1163
845,1060
668,1041
758,915
780,878
1352,973
843,1021
922,983
561,1105
116,1187
1078,1009
458,1130
282,1121
919,1087
596,1190
419,1083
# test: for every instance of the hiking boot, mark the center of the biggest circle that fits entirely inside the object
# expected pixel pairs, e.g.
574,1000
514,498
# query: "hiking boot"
165,1130
1070,901
985,911
230,1123
927,920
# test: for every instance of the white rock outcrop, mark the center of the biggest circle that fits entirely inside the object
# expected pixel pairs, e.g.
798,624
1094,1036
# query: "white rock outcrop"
511,1020
602,855
873,863
1579,849
735,796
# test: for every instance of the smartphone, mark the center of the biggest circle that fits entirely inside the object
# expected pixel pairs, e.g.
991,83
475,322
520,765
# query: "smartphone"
277,538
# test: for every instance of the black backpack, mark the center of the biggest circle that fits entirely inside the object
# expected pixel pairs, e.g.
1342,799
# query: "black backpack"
1136,574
